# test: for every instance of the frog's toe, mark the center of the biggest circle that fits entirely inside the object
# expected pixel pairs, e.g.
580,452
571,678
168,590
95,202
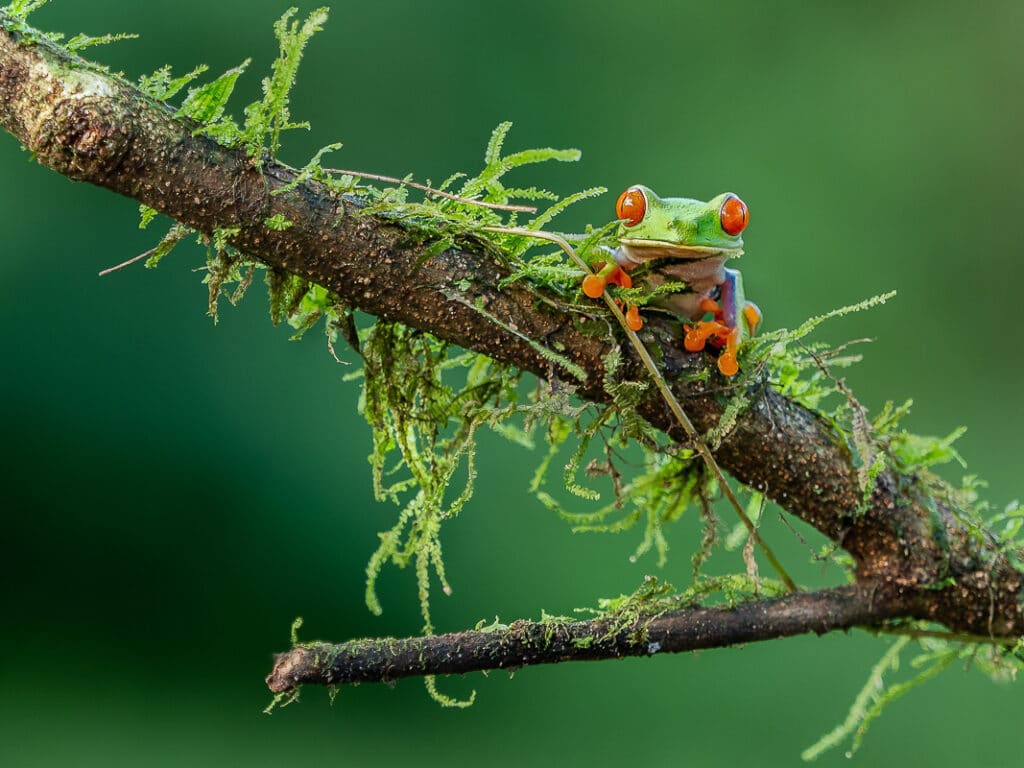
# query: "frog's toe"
633,320
697,336
694,340
593,286
727,363
752,314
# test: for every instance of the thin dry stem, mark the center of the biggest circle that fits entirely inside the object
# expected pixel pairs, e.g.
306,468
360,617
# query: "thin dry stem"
431,190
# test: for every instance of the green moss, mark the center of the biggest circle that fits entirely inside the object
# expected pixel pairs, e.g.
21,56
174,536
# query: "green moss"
425,402
206,104
283,699
266,119
80,42
19,10
278,222
161,85
296,626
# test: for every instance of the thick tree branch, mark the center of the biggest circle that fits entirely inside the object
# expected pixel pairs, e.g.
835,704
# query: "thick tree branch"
524,643
95,128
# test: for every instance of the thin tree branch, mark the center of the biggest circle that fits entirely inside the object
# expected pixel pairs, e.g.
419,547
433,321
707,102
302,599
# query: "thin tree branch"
93,127
127,263
525,643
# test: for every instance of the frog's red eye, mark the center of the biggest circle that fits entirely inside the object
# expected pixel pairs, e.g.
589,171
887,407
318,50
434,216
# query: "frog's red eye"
734,215
631,206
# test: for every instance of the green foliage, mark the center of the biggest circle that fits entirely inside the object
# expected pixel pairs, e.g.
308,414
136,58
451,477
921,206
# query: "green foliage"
270,116
265,119
546,352
161,86
424,434
278,222
911,453
657,496
311,170
146,215
19,10
999,662
803,373
446,701
207,103
296,626
867,700
654,598
442,219
880,444
80,42
174,236
488,180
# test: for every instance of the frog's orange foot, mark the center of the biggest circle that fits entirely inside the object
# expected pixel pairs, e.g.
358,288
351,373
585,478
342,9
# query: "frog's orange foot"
752,314
632,315
718,334
610,274
692,340
593,286
633,320
727,362
697,336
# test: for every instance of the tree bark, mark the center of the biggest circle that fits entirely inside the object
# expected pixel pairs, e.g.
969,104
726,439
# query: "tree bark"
911,552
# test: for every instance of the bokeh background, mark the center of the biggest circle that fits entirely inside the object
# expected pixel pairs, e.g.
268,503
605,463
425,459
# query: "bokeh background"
175,492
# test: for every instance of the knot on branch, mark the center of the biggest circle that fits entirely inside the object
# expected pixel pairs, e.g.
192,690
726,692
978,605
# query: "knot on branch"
83,137
63,110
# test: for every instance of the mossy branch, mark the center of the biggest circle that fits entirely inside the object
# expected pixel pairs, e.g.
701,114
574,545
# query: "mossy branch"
549,641
913,555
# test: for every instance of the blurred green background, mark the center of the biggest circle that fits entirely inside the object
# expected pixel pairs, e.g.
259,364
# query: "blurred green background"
175,493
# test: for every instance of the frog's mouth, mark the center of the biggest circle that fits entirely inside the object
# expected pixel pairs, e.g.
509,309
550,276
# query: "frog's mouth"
640,251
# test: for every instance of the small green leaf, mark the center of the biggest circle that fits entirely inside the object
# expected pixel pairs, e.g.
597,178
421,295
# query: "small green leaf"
146,215
278,222
78,42
206,104
174,235
161,87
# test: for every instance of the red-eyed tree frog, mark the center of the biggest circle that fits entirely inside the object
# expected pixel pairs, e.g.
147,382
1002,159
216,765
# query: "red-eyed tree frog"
680,240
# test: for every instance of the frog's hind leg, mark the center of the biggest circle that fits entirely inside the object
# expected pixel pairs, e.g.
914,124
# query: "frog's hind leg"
732,318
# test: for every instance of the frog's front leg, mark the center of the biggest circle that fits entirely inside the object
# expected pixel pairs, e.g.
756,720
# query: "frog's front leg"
733,319
612,273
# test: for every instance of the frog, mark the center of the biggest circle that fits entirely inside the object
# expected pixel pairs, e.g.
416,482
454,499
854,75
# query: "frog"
688,241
